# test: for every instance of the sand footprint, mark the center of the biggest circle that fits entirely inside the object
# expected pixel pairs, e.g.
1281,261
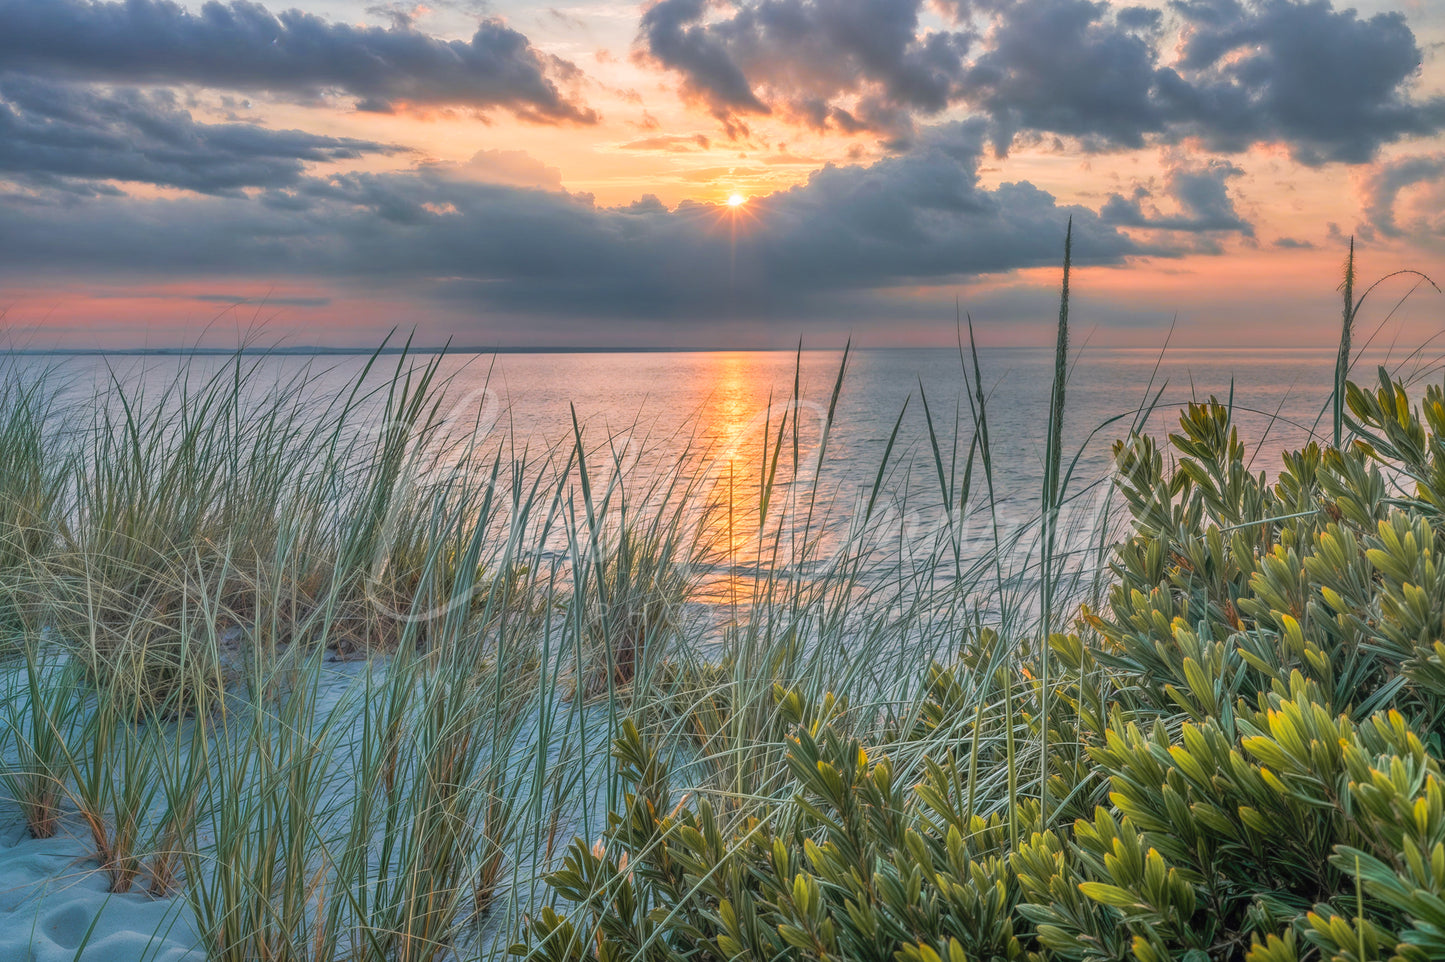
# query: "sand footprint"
66,926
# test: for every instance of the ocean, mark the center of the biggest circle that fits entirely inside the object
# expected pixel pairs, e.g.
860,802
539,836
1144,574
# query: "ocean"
725,426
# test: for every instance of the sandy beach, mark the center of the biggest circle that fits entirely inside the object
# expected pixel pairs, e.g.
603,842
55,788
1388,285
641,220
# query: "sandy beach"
55,907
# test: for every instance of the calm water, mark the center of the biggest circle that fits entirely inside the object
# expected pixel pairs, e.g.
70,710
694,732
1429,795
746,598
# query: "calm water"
645,410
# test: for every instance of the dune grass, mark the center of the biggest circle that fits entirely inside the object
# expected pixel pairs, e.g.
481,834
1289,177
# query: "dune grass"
354,680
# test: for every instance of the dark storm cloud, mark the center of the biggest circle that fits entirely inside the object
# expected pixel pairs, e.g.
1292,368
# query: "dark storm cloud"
244,46
1068,67
1326,82
804,55
1329,84
67,137
675,39
1201,195
849,233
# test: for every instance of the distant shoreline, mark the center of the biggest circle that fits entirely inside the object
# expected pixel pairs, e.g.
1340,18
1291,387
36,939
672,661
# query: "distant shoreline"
473,350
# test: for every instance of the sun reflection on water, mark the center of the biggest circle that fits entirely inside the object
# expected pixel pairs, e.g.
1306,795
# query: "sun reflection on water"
761,451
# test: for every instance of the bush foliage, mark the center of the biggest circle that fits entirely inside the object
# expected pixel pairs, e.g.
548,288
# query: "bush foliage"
1243,752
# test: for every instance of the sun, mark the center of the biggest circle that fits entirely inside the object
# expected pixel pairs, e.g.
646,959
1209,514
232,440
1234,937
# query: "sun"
736,200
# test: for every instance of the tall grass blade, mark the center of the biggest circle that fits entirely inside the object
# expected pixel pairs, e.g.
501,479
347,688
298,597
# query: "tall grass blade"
1053,456
1342,358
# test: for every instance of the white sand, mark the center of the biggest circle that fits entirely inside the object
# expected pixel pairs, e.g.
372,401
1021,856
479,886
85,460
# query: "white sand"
54,906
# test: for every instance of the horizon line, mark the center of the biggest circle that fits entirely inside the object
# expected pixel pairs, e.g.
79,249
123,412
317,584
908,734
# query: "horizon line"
320,351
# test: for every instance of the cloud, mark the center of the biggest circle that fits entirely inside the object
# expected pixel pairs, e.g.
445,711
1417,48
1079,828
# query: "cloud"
268,300
842,241
1382,197
1200,194
69,137
1069,67
851,64
402,16
1328,83
1331,85
675,38
670,143
515,168
241,45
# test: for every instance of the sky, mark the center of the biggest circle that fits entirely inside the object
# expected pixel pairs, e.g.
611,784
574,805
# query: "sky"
715,173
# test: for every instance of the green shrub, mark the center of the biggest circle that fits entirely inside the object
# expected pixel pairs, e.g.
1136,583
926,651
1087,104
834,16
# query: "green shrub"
858,865
1245,752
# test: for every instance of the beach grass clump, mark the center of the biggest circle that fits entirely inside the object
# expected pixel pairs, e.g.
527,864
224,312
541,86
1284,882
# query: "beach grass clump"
110,765
229,510
202,554
41,710
368,814
637,541
635,609
32,477
252,854
434,846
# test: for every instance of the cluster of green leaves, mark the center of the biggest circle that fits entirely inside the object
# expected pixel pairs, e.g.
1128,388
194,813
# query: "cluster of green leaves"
858,866
1245,753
